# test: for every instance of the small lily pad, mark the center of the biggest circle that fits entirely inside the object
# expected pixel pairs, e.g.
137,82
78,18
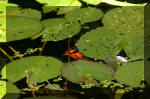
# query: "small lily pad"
131,73
84,15
58,29
135,47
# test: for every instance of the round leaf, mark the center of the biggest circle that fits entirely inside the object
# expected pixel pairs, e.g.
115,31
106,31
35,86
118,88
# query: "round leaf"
85,15
99,43
38,68
57,29
21,28
125,20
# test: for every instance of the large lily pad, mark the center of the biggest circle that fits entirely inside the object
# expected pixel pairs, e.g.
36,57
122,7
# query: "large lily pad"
39,68
87,72
131,73
84,15
100,43
57,29
19,28
125,20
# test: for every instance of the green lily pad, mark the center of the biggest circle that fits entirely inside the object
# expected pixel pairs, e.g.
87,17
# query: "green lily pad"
39,68
8,88
131,73
85,15
94,2
88,72
3,24
56,2
135,47
125,20
66,9
100,43
2,88
57,29
46,71
19,28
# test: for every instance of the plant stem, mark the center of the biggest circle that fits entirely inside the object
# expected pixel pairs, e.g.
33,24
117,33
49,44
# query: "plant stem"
4,52
14,51
43,46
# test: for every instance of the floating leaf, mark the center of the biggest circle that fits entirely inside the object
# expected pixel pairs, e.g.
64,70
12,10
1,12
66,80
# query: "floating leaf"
100,43
57,29
39,68
131,73
19,28
50,69
2,88
87,72
135,47
47,9
65,9
56,2
125,20
94,2
2,29
32,13
85,15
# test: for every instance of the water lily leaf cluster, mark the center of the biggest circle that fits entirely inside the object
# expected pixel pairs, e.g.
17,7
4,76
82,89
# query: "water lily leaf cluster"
61,28
129,22
117,34
38,71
